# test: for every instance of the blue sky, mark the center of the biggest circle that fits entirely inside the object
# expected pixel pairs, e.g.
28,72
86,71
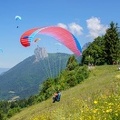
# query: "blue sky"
85,19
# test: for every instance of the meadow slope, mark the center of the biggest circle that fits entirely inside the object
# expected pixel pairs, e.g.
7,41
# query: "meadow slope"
98,97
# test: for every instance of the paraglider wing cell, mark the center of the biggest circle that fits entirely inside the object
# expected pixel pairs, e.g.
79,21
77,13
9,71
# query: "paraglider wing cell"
26,39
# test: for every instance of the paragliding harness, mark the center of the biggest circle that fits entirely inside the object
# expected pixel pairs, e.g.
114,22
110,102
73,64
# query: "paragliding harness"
56,98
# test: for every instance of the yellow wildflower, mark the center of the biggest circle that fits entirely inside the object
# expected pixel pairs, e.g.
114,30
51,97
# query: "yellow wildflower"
95,102
95,110
109,110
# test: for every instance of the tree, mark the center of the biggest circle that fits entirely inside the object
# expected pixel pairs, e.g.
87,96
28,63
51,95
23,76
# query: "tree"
94,53
1,116
81,74
71,79
112,44
71,63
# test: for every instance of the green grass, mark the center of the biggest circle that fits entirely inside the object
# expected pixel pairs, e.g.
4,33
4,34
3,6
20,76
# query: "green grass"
97,98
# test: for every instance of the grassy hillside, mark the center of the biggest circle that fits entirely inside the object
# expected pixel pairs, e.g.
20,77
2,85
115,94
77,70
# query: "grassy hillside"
98,97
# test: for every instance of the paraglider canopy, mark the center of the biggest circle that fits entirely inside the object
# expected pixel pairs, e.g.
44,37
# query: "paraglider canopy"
18,18
62,35
36,39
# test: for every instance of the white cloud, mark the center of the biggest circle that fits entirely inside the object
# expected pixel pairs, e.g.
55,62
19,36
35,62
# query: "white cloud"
62,25
95,27
74,28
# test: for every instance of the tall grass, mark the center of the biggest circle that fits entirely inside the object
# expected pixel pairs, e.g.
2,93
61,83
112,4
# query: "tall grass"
97,98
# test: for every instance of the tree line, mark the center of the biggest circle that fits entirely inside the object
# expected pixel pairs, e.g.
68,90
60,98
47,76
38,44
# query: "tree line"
104,49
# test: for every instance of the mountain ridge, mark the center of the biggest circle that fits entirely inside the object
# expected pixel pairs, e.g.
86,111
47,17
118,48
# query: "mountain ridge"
25,77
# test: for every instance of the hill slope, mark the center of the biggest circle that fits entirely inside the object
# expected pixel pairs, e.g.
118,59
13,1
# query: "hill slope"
95,98
24,79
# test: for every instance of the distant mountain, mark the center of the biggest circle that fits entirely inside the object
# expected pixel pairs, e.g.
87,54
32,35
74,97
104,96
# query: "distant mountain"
2,70
85,46
24,79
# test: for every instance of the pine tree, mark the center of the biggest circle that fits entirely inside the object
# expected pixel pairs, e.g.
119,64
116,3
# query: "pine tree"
112,44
